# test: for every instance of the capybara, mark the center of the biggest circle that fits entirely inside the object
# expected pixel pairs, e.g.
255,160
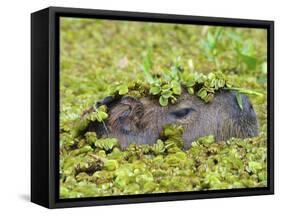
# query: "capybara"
140,120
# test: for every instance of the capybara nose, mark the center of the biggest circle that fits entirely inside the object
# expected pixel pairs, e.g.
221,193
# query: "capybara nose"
241,108
247,107
245,114
241,104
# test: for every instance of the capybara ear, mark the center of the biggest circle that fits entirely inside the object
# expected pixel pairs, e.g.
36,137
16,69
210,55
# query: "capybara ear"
135,106
108,101
127,114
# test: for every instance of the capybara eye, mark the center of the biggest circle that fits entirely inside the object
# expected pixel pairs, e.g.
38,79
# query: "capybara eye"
123,117
182,112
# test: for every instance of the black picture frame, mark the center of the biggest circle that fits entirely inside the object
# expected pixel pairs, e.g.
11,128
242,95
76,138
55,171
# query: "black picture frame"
45,106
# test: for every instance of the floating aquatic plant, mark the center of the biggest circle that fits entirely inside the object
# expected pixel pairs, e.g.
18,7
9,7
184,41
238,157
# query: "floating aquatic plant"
212,59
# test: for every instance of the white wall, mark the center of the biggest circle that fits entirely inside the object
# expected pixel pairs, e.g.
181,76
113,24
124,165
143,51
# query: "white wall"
15,106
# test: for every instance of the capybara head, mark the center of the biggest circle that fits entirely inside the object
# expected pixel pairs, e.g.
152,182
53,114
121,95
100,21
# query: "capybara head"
140,121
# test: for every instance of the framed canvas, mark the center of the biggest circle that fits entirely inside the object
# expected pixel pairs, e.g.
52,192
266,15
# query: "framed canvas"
139,107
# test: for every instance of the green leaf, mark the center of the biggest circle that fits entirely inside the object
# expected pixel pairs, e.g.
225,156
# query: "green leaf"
159,147
245,91
211,40
132,189
202,93
239,100
206,140
149,187
80,125
106,143
102,108
166,87
221,83
92,116
147,60
144,178
111,165
250,61
146,67
190,90
211,76
189,80
172,160
91,137
147,75
171,130
166,94
155,90
163,101
218,33
254,166
101,116
123,89
177,89
85,149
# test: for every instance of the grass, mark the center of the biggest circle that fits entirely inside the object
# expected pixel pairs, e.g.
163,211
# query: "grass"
97,54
